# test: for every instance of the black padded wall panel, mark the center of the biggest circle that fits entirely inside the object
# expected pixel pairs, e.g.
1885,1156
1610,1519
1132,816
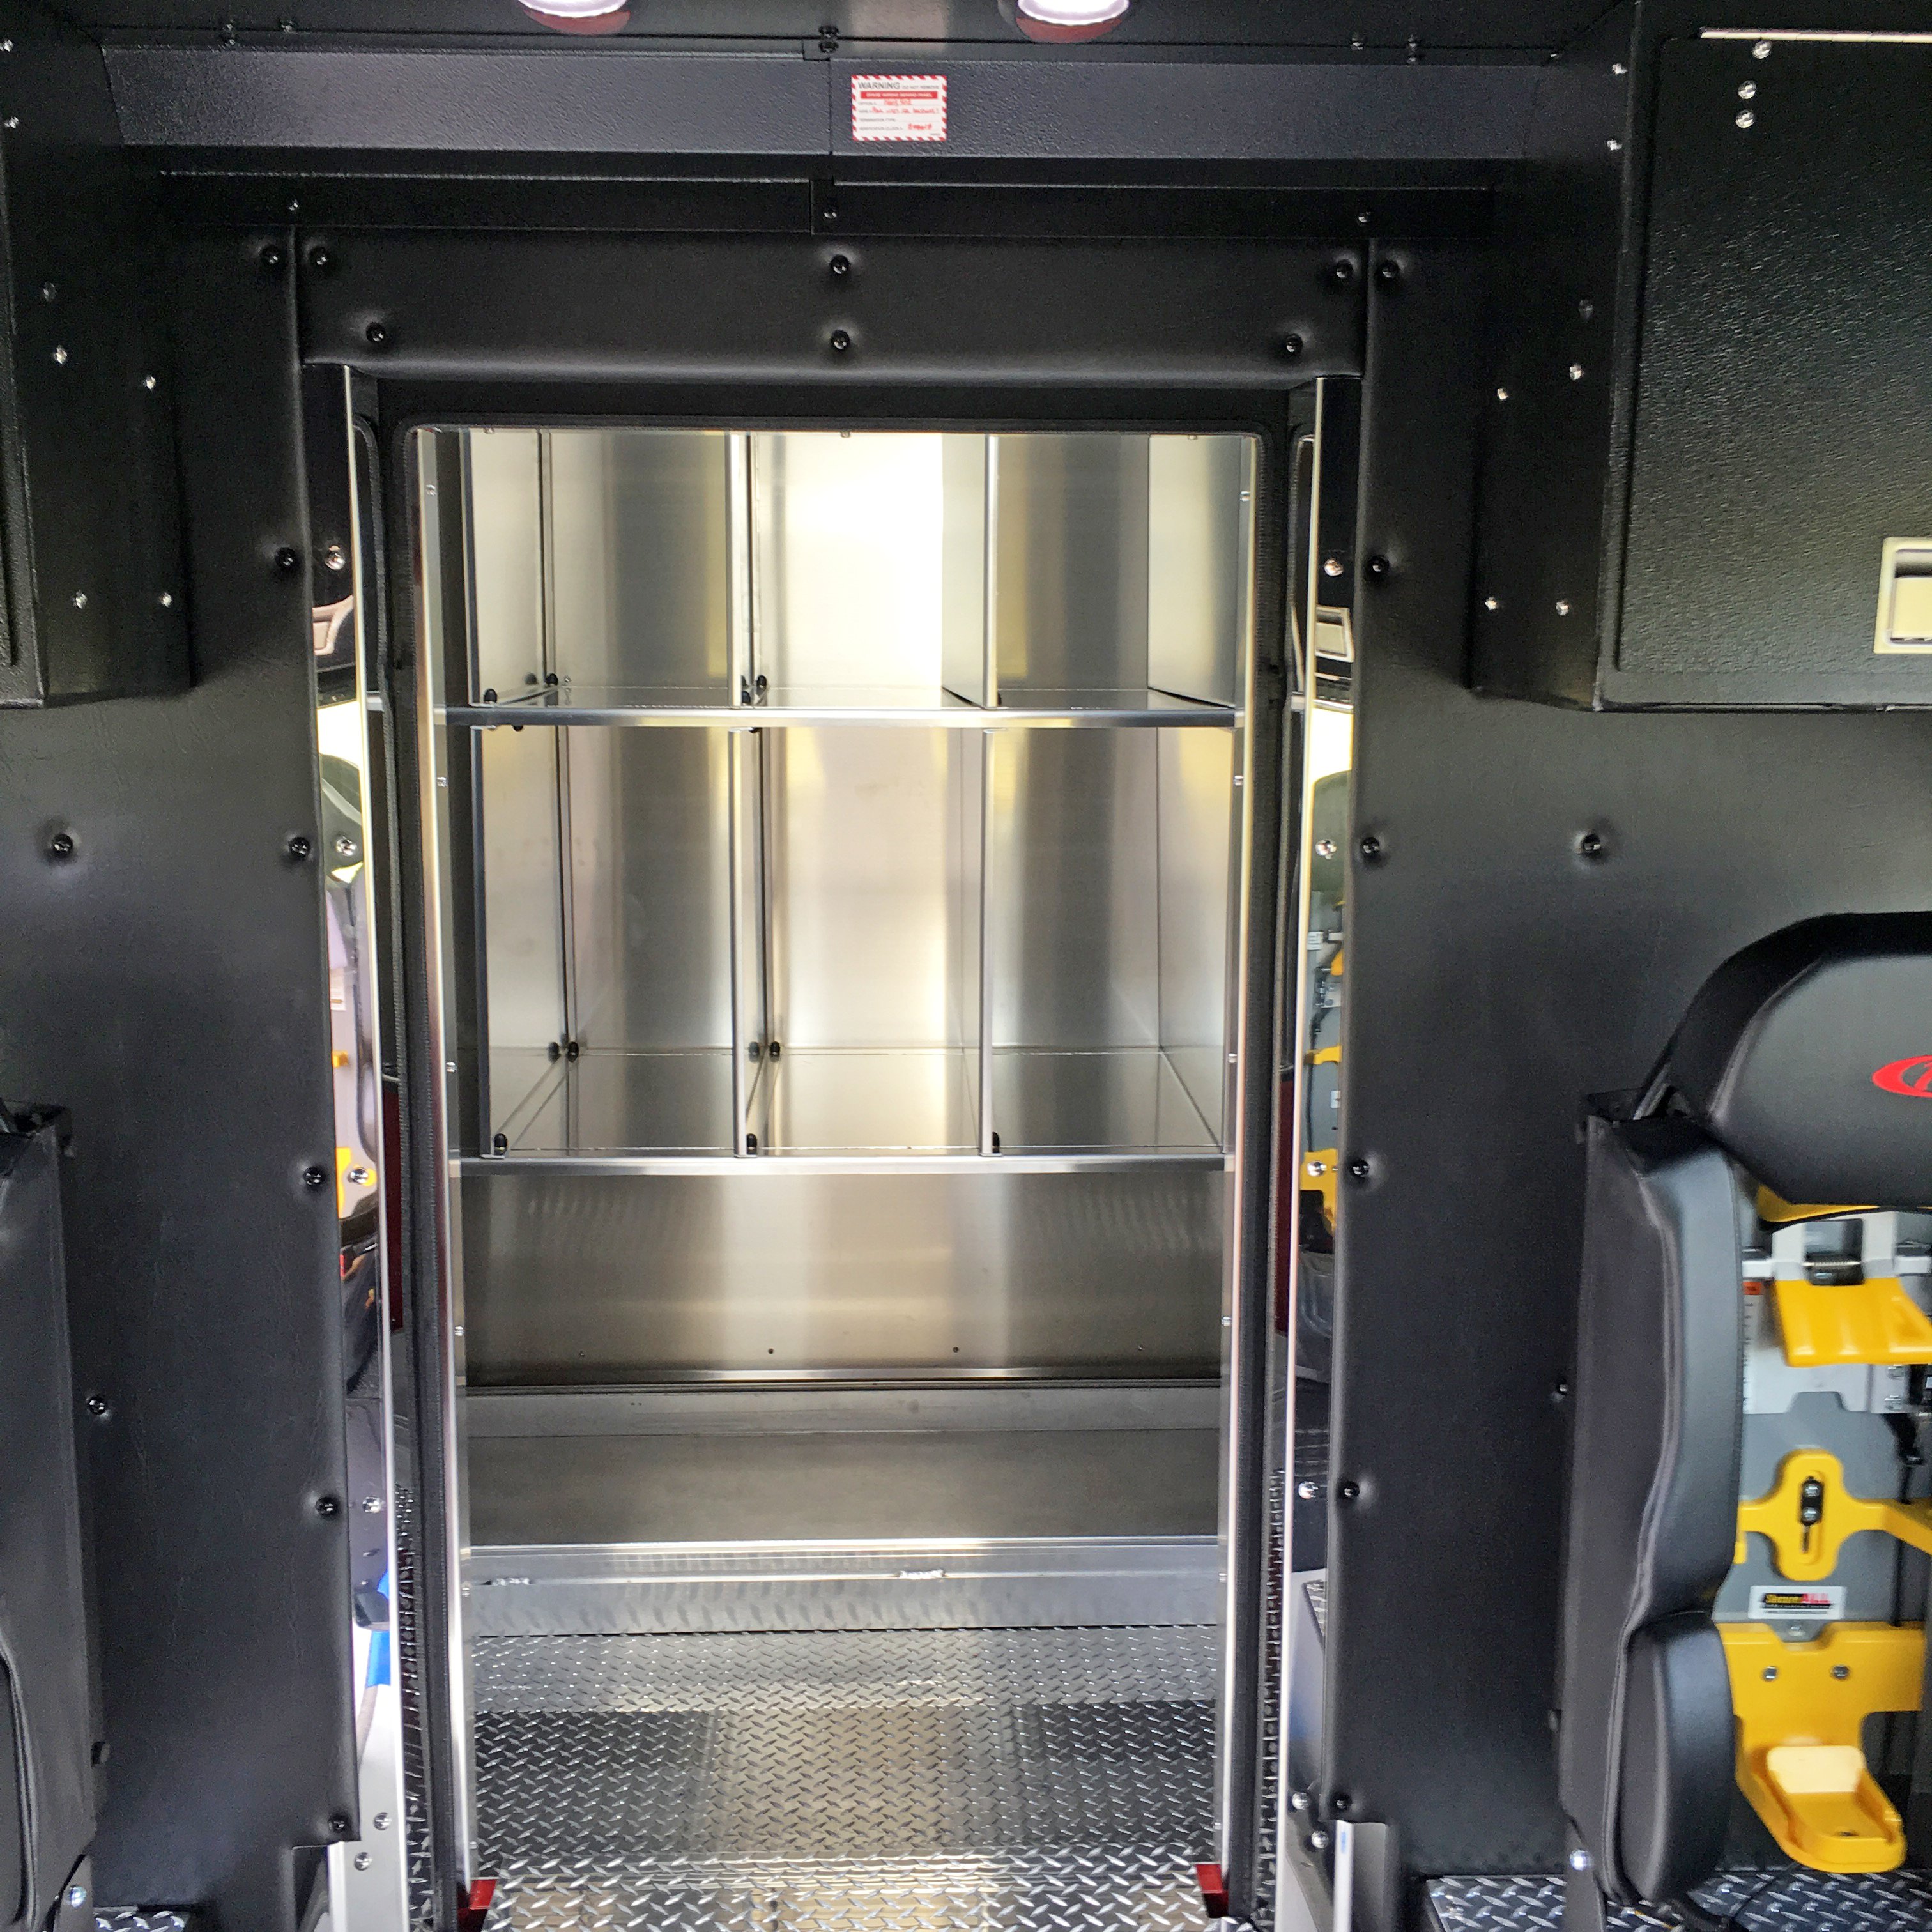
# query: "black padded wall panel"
1496,975
165,979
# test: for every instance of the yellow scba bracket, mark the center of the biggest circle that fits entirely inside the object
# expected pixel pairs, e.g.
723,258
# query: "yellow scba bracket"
1800,1708
1776,1212
1810,1513
1834,1324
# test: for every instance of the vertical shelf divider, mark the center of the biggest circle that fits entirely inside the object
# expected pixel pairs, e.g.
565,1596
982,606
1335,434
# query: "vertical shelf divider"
990,696
738,523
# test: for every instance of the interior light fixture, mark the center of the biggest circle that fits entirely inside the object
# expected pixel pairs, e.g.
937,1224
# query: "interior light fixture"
1069,19
578,16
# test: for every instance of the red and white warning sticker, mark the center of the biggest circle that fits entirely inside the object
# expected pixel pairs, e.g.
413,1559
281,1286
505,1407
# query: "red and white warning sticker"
899,107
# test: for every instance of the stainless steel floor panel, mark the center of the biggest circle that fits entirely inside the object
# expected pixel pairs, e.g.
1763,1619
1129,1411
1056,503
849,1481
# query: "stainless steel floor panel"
848,1779
1790,1900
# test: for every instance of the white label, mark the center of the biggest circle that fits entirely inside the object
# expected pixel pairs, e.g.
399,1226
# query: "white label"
899,107
1796,1603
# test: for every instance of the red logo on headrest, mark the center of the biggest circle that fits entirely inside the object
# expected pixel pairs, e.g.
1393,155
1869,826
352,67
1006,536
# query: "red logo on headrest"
1912,1076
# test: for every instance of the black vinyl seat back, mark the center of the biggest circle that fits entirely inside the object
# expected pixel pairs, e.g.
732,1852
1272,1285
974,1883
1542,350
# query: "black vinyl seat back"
48,1707
1805,1061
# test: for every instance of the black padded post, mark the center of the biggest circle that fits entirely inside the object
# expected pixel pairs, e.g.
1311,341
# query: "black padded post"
1644,1738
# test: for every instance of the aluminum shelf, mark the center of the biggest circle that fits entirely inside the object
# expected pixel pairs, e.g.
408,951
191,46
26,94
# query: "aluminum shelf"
811,704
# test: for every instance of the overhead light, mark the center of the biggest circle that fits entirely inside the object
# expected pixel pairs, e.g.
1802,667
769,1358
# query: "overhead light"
1069,19
579,17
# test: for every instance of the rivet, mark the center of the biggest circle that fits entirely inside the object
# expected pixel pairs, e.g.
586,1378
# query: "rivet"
1619,68
1762,51
6,46
60,355
315,1177
1746,119
1748,91
1586,309
80,600
60,845
1369,847
1576,372
48,292
1562,606
1615,146
841,341
167,600
1291,346
376,335
11,123
1493,603
1502,395
147,381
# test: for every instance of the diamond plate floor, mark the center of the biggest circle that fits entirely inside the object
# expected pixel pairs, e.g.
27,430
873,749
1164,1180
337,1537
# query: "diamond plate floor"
1790,1900
849,1781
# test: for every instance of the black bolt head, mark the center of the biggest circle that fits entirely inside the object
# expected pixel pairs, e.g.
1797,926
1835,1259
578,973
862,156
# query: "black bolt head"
328,1506
1342,273
1291,346
1349,1492
1561,1392
321,260
841,341
1341,1802
1591,845
287,561
1369,847
300,847
490,696
97,1406
314,1177
376,335
341,1824
501,1144
840,265
272,259
1841,1671
1388,274
1358,1169
828,213
60,845
1378,568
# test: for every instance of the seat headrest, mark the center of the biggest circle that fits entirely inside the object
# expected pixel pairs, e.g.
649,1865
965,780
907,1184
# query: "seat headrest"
1808,1057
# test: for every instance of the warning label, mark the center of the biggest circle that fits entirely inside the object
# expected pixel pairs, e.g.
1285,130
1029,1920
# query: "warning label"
899,107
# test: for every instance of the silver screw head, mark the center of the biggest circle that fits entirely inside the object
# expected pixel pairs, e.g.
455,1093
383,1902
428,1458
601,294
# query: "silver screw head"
363,1861
371,1505
334,558
148,382
1331,567
1502,395
1325,848
1762,51
1318,1841
1615,146
1746,119
76,1895
1576,372
1562,606
167,600
345,846
381,1821
1492,603
1619,67
80,600
60,355
1579,1860
1307,1492
1298,1801
1748,91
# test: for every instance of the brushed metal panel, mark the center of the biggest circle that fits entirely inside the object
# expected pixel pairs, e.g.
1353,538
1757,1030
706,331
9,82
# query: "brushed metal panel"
848,562
650,887
621,1103
1119,1097
872,882
1200,504
969,479
523,887
900,1101
1074,886
599,1278
503,538
639,542
1197,856
1071,555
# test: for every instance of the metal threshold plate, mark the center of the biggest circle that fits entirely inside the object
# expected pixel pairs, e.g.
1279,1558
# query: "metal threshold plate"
1789,1899
848,1779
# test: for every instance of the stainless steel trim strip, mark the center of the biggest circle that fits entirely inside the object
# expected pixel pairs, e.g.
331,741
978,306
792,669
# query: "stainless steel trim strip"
487,1165
1802,34
959,717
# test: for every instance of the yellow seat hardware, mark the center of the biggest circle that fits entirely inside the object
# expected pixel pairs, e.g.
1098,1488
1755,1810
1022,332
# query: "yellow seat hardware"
1800,1709
1834,1324
1776,1212
1809,1513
